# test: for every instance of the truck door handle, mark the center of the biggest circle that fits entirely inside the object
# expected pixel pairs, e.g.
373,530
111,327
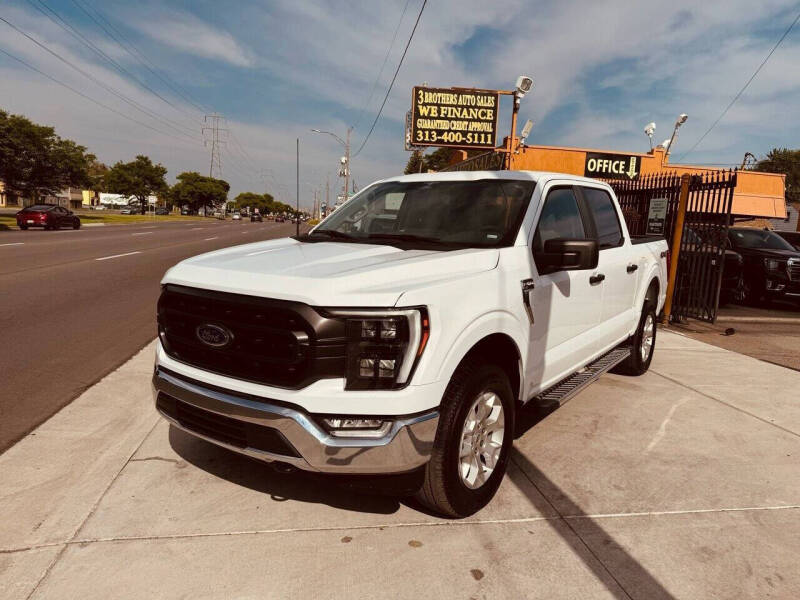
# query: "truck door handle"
632,268
596,278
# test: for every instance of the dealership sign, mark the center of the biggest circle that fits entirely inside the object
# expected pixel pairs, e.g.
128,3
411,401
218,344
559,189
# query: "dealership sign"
611,166
457,118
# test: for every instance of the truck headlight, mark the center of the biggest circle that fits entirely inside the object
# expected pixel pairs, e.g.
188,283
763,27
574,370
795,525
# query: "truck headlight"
383,346
772,264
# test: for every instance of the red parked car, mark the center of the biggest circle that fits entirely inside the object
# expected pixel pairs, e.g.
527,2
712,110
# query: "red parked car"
49,216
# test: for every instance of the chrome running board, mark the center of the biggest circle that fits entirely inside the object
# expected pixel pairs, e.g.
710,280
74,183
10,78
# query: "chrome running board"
565,389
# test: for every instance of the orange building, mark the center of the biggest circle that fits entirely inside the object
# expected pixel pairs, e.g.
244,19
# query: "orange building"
756,195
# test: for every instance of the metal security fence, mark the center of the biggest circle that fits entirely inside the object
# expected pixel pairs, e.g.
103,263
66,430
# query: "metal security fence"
703,244
635,197
704,235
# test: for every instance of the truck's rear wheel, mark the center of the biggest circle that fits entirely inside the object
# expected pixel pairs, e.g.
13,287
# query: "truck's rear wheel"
473,441
643,343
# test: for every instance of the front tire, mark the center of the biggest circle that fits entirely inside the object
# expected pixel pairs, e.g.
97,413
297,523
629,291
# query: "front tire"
473,441
76,224
643,343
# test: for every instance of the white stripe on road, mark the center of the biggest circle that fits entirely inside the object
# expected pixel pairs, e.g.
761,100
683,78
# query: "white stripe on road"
13,244
212,238
143,233
197,228
118,255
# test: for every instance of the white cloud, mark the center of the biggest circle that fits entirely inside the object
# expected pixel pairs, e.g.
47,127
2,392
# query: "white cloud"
188,34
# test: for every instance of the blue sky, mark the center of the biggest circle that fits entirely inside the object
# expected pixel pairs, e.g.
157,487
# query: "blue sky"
276,69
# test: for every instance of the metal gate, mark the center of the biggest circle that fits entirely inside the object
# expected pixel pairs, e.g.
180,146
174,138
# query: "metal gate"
704,236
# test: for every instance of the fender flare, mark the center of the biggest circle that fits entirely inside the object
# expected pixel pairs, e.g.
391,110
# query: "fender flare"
483,326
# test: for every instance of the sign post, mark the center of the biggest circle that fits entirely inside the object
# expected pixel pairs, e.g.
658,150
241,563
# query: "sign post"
657,216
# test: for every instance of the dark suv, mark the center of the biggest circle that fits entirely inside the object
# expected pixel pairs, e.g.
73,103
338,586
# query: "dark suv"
770,267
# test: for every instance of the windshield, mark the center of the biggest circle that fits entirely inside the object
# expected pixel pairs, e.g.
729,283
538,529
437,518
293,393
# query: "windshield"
481,214
756,238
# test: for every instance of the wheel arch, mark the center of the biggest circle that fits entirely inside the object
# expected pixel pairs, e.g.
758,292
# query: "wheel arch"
498,347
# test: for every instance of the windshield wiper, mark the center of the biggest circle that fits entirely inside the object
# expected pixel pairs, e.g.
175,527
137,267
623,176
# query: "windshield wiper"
332,233
406,237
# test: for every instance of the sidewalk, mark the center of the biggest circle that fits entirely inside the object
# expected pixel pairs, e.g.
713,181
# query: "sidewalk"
683,483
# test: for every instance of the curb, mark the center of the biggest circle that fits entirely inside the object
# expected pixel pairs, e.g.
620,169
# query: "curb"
758,320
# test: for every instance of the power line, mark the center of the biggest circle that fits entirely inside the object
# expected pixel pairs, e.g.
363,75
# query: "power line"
383,66
76,34
741,91
400,64
89,98
89,76
131,49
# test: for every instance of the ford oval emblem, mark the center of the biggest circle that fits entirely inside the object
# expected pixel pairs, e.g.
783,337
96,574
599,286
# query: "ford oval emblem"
215,336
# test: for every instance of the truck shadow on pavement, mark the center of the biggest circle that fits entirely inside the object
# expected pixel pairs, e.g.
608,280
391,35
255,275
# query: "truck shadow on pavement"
608,560
302,486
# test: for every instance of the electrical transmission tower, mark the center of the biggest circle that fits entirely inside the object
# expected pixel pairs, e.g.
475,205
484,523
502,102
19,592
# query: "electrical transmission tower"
216,143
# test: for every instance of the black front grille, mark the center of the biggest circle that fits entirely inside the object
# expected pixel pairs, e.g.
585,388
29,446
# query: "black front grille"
274,342
240,434
793,269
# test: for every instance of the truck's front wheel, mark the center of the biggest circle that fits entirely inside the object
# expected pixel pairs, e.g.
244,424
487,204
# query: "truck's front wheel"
473,441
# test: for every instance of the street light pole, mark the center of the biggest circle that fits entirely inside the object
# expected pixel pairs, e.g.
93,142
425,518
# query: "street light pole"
345,172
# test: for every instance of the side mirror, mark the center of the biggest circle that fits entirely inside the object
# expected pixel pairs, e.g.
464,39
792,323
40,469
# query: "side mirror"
70,212
562,254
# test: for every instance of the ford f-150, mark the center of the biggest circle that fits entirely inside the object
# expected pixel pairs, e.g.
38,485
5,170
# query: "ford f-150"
402,333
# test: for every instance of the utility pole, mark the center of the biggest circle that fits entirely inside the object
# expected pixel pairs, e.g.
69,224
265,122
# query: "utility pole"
297,219
215,142
327,194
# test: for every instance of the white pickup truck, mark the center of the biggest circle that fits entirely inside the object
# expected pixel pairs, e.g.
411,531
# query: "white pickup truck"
403,332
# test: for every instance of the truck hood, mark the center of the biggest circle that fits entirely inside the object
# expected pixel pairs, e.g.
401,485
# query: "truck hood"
327,273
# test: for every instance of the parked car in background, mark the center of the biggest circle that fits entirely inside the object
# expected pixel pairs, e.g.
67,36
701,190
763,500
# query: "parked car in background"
99,207
49,216
279,219
236,216
162,211
770,265
129,210
409,348
793,237
256,217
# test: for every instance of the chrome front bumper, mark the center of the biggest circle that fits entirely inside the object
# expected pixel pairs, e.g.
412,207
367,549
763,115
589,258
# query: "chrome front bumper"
407,444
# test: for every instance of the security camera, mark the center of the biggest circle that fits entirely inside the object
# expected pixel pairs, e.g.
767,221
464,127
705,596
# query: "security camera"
524,84
650,129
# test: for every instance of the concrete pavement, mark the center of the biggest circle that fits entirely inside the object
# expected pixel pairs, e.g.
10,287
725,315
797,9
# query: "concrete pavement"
683,483
93,292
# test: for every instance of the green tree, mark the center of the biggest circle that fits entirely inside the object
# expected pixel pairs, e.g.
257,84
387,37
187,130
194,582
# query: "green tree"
198,191
35,162
139,178
415,164
783,160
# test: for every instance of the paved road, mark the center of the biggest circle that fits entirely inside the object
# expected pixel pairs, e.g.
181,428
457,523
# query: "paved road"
74,305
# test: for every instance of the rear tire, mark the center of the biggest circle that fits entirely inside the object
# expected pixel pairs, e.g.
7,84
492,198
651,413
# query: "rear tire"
476,410
643,344
23,227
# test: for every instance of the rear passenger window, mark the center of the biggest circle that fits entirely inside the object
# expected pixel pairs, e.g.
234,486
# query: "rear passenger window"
560,218
609,233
